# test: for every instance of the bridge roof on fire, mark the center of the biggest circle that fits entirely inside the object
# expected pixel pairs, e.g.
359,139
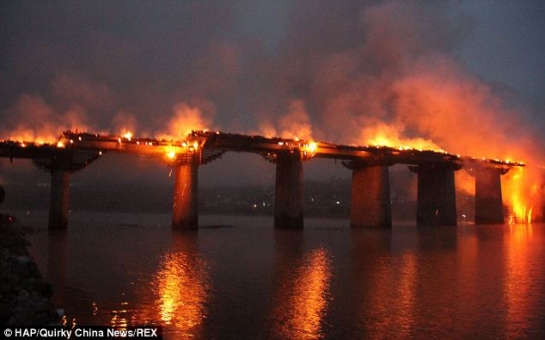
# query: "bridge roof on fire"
205,146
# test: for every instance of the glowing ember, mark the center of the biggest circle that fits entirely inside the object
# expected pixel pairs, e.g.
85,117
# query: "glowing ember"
127,135
171,153
310,148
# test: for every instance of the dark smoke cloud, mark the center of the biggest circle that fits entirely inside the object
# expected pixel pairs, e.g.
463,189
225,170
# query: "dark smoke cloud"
343,71
251,59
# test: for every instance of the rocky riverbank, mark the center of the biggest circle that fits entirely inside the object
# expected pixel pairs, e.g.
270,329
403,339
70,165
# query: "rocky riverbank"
24,294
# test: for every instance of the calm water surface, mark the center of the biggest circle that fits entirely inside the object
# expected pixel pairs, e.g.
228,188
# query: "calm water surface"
237,277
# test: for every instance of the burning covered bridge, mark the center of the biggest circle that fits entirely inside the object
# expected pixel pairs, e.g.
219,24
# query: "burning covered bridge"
370,201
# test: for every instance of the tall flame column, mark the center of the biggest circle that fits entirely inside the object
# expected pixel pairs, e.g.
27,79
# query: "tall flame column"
436,197
288,201
185,210
370,201
488,197
58,204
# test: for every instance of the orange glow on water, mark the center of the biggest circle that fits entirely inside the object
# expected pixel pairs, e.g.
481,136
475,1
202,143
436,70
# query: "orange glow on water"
518,273
397,283
313,283
304,301
182,290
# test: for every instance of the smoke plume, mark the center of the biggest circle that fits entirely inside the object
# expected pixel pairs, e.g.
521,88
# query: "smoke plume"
350,71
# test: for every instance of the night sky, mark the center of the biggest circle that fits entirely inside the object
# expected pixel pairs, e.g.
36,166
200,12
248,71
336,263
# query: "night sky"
464,76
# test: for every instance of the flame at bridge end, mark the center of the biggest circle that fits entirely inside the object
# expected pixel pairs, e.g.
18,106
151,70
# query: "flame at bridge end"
522,195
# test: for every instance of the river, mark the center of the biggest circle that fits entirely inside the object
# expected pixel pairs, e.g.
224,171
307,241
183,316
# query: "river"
238,277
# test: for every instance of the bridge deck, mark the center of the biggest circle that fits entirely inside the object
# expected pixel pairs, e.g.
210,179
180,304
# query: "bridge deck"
212,144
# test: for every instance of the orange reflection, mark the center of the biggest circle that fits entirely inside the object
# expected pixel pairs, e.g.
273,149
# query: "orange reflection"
119,319
396,282
406,290
517,286
304,299
182,290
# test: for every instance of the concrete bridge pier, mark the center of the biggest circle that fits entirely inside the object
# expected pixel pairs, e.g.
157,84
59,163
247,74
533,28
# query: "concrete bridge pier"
370,198
288,201
436,197
488,197
61,165
58,203
185,207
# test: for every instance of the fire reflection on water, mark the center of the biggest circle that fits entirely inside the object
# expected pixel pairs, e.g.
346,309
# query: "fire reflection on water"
303,298
518,279
177,292
396,282
406,291
121,316
182,290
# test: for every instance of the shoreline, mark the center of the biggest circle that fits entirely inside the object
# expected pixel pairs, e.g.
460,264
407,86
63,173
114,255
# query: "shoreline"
25,296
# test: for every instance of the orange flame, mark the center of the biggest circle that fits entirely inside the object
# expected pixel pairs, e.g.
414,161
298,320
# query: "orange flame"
127,135
295,124
522,195
391,136
187,118
171,154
